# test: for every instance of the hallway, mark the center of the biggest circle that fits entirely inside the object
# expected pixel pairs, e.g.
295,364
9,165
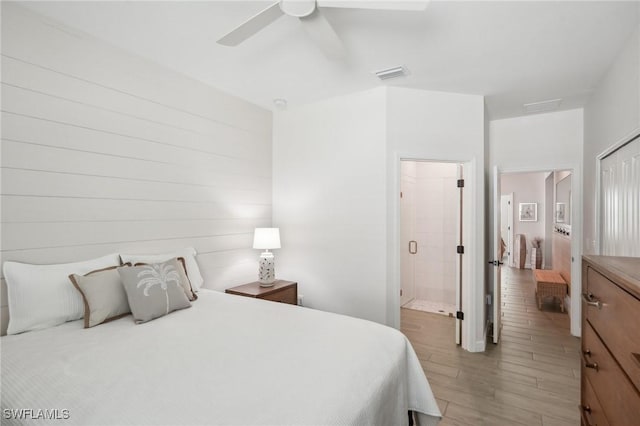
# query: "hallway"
530,378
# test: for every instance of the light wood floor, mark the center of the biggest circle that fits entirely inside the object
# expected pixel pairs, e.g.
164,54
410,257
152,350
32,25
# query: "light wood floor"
530,378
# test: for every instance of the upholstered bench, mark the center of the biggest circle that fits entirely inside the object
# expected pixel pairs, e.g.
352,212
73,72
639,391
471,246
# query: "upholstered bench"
549,283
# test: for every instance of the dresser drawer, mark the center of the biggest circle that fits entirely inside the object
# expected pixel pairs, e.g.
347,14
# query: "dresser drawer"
288,295
616,321
590,408
618,398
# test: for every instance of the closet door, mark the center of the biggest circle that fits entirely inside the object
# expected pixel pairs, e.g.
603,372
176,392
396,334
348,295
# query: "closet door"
620,201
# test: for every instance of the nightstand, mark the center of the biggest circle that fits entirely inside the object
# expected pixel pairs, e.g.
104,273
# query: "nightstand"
282,291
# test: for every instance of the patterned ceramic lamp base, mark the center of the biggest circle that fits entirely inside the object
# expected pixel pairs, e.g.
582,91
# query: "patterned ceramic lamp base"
266,271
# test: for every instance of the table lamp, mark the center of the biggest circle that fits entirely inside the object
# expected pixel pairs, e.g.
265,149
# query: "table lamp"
266,239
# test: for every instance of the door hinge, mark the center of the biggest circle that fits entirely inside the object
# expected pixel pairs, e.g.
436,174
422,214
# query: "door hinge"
460,183
400,292
460,249
400,194
459,315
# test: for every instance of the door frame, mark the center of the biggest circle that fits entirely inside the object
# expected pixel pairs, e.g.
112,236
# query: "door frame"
470,294
575,309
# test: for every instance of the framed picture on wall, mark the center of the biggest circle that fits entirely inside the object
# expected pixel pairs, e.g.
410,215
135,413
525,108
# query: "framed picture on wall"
561,209
528,212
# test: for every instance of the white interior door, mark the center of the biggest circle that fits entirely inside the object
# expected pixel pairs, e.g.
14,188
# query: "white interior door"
620,201
506,225
407,232
494,266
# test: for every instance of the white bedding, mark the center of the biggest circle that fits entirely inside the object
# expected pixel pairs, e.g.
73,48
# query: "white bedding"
227,360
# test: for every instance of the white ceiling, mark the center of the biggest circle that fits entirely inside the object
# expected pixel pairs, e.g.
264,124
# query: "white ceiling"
513,52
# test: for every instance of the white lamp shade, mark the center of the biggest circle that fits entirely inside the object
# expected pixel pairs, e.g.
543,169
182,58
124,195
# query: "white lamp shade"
266,238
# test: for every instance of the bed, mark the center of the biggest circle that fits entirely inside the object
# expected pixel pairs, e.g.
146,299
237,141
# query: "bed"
227,360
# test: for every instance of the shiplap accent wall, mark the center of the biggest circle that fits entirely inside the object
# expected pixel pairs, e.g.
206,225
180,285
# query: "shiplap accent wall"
104,152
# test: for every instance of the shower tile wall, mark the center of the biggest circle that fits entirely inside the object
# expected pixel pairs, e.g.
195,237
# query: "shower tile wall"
436,221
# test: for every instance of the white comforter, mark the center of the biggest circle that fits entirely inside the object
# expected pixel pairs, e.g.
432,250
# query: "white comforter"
228,360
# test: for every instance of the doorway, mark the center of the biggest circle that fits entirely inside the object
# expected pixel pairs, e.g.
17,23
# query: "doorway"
430,231
542,236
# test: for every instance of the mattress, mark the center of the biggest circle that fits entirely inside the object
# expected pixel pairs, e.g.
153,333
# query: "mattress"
227,360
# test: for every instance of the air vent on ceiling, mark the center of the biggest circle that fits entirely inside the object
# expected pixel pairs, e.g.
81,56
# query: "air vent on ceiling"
543,106
394,72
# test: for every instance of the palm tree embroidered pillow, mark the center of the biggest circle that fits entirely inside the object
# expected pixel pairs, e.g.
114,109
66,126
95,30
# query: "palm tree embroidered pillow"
184,278
187,253
154,290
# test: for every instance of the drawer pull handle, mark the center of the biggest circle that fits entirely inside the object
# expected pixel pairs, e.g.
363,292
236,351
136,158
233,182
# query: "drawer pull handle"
590,300
586,409
587,361
593,365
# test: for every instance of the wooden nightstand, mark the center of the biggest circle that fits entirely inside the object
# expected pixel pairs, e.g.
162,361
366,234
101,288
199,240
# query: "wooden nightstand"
282,291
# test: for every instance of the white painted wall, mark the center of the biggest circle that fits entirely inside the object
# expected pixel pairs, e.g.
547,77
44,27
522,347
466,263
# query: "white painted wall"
526,188
537,142
329,201
106,152
549,194
551,141
336,177
612,116
439,126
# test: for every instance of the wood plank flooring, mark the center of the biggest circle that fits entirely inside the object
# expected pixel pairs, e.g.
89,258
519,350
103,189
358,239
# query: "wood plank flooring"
530,378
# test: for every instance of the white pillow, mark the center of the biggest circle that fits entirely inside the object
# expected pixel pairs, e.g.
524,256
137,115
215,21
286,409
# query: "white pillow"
41,296
188,254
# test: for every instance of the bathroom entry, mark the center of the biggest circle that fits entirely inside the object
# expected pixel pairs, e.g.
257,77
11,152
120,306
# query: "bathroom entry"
430,230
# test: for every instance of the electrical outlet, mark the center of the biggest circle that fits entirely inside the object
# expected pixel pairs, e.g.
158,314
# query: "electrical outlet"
488,298
300,300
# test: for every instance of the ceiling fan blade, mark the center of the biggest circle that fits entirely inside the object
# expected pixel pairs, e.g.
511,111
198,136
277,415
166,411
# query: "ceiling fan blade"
323,34
252,25
409,5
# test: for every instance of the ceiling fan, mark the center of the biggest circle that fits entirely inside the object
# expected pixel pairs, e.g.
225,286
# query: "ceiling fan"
315,24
